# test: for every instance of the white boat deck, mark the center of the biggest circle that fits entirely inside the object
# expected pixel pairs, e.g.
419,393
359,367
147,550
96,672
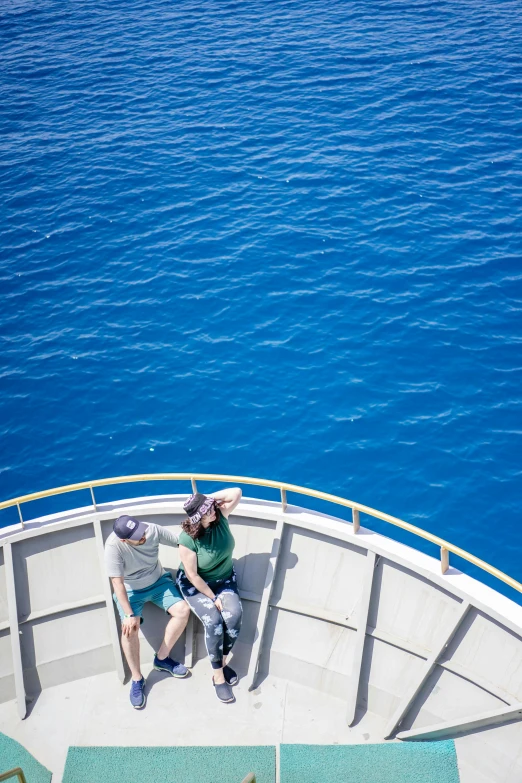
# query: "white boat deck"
96,711
340,628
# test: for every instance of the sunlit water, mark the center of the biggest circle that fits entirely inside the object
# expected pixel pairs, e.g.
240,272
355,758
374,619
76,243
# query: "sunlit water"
279,239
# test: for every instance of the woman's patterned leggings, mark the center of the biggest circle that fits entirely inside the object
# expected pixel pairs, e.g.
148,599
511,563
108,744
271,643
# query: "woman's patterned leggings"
221,628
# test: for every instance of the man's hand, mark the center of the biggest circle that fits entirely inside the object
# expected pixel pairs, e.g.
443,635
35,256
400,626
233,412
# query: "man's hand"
130,624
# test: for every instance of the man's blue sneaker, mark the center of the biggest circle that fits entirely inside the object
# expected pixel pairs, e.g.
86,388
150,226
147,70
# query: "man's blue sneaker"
170,666
137,694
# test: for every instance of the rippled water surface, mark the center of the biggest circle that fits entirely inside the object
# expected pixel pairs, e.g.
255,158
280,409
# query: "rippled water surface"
280,239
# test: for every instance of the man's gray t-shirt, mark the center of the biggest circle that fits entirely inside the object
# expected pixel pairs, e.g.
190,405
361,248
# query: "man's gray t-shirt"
139,565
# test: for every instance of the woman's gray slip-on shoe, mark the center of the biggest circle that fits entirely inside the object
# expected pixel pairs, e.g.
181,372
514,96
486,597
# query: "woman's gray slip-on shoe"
223,692
230,675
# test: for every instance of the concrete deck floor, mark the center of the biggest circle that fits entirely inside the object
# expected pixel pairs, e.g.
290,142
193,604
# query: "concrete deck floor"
96,711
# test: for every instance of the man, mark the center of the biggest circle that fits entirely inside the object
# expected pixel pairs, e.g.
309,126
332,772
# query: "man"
137,576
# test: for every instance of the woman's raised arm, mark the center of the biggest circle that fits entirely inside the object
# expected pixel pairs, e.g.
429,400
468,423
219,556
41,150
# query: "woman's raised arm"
228,499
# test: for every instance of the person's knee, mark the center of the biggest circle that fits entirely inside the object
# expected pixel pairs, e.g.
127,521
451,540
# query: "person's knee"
232,619
232,606
182,610
229,598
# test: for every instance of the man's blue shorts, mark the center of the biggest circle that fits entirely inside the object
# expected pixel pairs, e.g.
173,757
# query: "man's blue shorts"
163,593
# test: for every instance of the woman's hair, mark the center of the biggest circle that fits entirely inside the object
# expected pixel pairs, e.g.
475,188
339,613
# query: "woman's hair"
197,530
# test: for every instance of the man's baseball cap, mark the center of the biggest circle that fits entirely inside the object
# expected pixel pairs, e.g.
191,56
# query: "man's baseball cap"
129,528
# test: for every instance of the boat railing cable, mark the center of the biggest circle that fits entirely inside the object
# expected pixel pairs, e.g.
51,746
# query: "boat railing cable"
445,547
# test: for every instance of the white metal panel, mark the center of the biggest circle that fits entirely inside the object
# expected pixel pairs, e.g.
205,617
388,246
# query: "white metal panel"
16,652
90,663
491,753
315,678
319,572
254,540
242,651
490,652
6,660
315,641
169,558
110,609
56,568
410,696
477,720
408,606
387,673
172,521
249,621
4,609
61,636
448,697
264,607
7,684
360,641
106,526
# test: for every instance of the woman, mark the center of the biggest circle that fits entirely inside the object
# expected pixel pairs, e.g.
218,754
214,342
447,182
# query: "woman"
207,581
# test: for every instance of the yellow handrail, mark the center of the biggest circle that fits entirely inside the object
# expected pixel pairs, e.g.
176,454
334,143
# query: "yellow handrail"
250,778
17,771
283,487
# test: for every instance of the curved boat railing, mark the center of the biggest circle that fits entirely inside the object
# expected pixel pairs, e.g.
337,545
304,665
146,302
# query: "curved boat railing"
445,546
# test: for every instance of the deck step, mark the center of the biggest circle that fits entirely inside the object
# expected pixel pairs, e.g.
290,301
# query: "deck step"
12,755
393,762
169,764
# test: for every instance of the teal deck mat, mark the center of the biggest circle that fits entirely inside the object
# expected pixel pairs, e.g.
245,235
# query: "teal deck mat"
169,765
419,762
12,754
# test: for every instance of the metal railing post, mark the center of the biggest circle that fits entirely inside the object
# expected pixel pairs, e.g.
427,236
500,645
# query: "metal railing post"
194,486
445,546
284,504
20,515
93,499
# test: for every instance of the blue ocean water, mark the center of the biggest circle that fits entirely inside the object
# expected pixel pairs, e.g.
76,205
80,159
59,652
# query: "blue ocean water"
275,239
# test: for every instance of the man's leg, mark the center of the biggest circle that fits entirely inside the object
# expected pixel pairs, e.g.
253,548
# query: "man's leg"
131,648
180,613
